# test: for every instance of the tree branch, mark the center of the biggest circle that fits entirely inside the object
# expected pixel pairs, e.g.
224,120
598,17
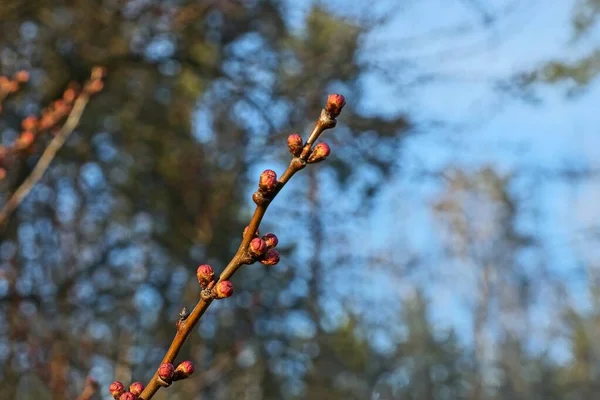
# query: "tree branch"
92,86
302,155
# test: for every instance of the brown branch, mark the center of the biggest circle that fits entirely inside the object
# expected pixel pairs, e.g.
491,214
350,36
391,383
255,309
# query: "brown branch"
92,86
242,256
89,389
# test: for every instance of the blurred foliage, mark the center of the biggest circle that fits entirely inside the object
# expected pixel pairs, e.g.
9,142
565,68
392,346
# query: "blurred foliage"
579,72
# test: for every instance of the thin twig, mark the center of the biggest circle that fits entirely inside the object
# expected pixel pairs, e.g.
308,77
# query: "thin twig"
44,162
240,258
89,389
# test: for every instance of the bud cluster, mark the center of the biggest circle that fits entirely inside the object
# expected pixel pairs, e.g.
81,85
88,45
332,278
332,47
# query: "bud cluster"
263,249
10,86
118,392
168,373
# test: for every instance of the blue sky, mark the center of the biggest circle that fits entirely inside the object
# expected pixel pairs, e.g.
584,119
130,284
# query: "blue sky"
482,127
479,127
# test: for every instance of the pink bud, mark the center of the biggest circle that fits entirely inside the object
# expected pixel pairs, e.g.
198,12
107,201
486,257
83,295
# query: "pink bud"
22,76
258,247
205,274
319,153
29,123
183,370
271,258
136,388
224,289
25,139
267,181
128,396
246,230
165,371
116,389
335,103
294,142
271,240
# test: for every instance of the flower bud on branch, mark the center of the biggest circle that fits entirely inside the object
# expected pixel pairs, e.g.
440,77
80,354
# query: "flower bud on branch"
320,152
166,371
335,103
267,182
257,247
116,389
183,370
128,396
205,274
223,290
294,142
271,240
271,258
136,388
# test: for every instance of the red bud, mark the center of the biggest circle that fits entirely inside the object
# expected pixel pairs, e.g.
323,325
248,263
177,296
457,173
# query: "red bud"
205,274
116,389
271,258
128,396
271,240
22,76
319,153
257,247
335,103
183,370
136,388
165,371
223,289
267,181
294,142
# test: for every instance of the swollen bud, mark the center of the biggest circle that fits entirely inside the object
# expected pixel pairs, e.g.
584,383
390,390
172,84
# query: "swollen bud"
128,396
22,76
271,258
257,247
223,289
267,181
335,103
271,240
25,139
294,142
116,389
136,388
319,153
183,370
205,274
166,371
